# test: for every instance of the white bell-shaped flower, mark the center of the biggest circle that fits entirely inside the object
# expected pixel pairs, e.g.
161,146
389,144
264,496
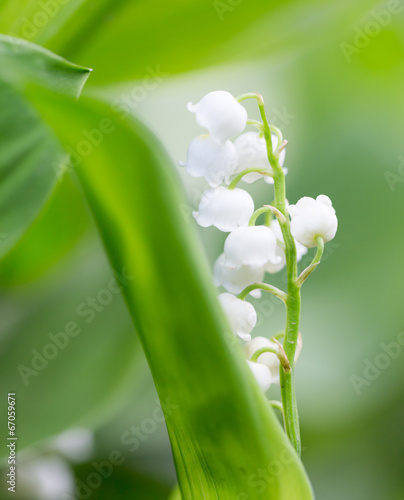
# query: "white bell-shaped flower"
221,114
252,152
214,161
250,246
300,249
224,208
240,314
262,375
269,359
235,280
311,218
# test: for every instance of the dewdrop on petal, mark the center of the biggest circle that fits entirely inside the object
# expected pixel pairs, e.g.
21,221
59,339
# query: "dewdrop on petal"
252,152
225,209
262,375
311,218
216,162
240,314
235,280
250,246
221,114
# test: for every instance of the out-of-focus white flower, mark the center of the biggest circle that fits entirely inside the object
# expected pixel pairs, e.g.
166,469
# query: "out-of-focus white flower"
224,208
269,359
311,218
76,444
252,152
262,375
250,246
300,249
241,315
214,161
221,114
46,478
235,280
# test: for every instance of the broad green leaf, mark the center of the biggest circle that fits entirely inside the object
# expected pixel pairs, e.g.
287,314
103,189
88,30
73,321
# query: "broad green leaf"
125,40
222,430
30,155
52,235
71,357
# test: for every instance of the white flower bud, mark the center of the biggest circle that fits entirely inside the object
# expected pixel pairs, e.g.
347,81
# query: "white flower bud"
221,114
235,280
216,162
300,249
252,151
225,209
241,315
312,218
262,375
250,246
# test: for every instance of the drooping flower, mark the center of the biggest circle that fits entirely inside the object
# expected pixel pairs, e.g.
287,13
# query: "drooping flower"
214,161
262,375
250,246
252,151
225,209
221,114
311,218
235,280
300,249
240,314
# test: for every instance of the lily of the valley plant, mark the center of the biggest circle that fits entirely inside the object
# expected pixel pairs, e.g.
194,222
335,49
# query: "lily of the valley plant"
251,251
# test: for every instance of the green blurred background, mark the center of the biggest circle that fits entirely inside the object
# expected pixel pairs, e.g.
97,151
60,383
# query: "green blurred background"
332,75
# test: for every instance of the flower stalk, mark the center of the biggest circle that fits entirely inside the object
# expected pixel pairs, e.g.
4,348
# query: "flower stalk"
293,301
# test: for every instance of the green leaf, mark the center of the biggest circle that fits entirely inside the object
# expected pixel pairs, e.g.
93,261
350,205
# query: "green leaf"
223,432
70,362
125,40
30,155
52,235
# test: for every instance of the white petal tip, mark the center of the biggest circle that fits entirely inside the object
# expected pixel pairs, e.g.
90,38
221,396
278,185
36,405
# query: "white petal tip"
191,107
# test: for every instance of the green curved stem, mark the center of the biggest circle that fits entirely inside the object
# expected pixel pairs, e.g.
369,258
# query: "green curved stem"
239,176
314,263
263,286
278,134
255,123
277,405
257,213
278,351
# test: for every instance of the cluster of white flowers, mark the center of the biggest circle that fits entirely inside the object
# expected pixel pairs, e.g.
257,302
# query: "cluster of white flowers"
250,251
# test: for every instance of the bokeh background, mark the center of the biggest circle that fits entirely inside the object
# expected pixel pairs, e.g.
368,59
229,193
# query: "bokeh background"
332,75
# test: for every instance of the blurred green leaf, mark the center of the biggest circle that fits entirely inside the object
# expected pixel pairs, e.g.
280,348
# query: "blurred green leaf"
122,484
222,430
125,40
68,352
54,232
30,156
